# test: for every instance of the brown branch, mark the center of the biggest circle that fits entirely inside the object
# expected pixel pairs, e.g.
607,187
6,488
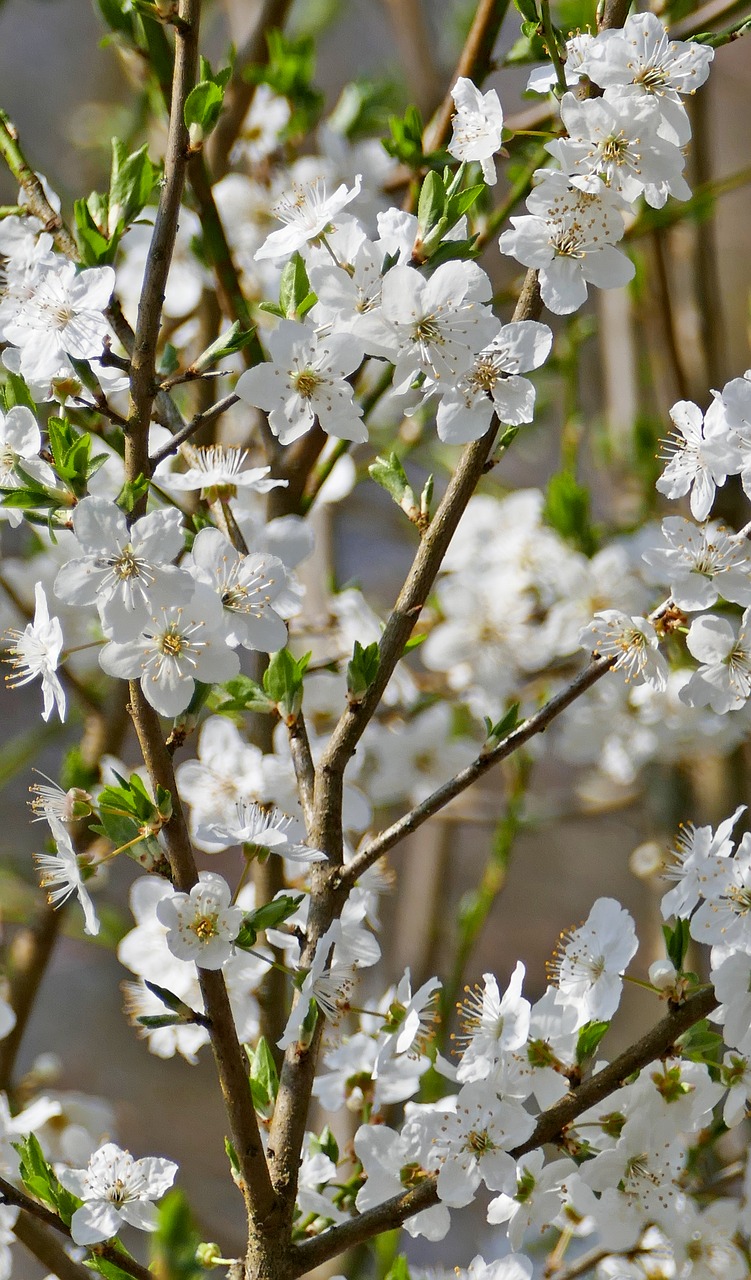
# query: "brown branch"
475,62
189,429
305,771
230,1061
36,200
550,1127
444,794
415,50
612,13
240,91
48,1249
30,954
143,384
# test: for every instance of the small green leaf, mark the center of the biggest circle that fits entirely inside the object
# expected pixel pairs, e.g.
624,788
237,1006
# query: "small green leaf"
283,682
175,1242
362,670
244,695
203,106
15,391
676,942
294,288
226,344
133,492
589,1038
133,180
506,725
567,511
431,205
389,473
264,1078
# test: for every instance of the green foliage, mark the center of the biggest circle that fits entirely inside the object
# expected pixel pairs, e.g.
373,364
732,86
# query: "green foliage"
71,453
14,391
567,511
405,142
676,942
202,109
243,694
129,817
701,1044
264,1078
389,473
40,1181
289,71
176,1239
283,683
229,342
363,108
269,916
399,1269
100,220
362,670
76,772
295,294
133,492
589,1038
502,728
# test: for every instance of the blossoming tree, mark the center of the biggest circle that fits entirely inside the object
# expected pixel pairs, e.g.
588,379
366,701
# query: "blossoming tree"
153,582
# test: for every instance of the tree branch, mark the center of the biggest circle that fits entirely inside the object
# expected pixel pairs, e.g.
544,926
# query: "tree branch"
143,384
203,419
444,794
36,200
305,771
48,1249
657,1043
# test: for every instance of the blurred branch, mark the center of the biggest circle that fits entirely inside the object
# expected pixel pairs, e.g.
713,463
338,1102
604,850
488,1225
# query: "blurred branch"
415,47
29,955
48,1249
240,91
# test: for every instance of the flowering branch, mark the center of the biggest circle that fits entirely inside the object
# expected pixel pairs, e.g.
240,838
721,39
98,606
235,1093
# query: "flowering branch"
475,62
549,1128
32,188
48,1249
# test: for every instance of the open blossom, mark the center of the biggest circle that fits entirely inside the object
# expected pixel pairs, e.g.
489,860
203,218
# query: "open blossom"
544,78
307,214
695,851
177,647
435,325
723,681
247,586
569,237
60,874
116,1191
124,571
702,563
35,651
492,1025
202,925
493,385
478,1138
305,380
255,825
701,456
20,442
590,963
641,61
478,126
328,985
63,317
618,141
218,469
632,642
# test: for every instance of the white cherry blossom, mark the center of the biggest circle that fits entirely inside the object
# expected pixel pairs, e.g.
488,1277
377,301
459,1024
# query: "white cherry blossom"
723,680
305,380
247,586
591,960
253,824
36,651
478,1136
60,874
478,126
64,317
308,213
201,925
493,385
20,442
218,469
701,564
701,456
125,572
632,642
116,1191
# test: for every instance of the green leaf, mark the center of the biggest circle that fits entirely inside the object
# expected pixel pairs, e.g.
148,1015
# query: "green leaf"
283,682
362,670
264,1078
175,1242
327,1144
203,106
389,473
431,204
399,1269
133,492
226,344
289,70
567,511
701,1044
133,180
274,913
503,727
589,1038
244,695
96,247
294,289
16,392
676,942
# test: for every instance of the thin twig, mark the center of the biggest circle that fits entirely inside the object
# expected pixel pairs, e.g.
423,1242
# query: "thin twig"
37,201
550,1127
48,1249
302,760
582,1265
203,419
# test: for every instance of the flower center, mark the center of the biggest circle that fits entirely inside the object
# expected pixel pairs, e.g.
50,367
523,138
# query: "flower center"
204,927
480,1142
651,79
306,383
126,565
171,642
614,149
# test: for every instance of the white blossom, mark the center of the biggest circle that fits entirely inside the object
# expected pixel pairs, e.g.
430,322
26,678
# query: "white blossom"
308,213
701,458
591,960
36,651
723,680
117,1191
247,587
493,385
202,925
60,874
478,126
632,642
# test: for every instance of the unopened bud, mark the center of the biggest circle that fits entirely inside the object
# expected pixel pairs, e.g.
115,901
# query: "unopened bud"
195,136
662,975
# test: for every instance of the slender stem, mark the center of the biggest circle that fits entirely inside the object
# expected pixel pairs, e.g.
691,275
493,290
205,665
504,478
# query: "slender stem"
30,954
551,43
37,201
143,382
586,1263
203,419
230,1062
550,1127
48,1249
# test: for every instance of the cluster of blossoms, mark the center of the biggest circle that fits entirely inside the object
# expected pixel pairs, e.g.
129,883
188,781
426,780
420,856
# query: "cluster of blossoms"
172,602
